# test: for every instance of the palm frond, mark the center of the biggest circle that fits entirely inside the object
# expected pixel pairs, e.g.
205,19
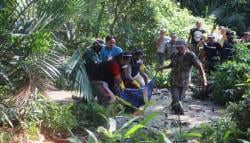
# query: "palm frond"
76,70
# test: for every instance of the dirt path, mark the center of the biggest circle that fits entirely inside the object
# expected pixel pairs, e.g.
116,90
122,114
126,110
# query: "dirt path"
196,111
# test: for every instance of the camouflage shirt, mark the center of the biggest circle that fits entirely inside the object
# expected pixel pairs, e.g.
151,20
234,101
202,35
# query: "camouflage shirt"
181,68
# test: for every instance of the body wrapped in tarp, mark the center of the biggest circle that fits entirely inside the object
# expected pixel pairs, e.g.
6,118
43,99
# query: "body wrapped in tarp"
138,97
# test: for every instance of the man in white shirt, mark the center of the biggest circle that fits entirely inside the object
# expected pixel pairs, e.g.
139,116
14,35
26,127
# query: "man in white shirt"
161,46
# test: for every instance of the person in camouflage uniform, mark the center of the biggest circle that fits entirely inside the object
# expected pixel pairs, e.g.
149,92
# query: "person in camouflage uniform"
181,64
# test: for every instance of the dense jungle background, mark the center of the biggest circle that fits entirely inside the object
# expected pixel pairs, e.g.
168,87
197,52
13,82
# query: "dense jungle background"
41,45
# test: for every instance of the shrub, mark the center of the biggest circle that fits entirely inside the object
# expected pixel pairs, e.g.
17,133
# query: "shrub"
54,117
218,131
89,115
226,79
240,115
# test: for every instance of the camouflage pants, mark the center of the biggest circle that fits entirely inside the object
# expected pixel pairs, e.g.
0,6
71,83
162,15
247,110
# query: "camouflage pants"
177,94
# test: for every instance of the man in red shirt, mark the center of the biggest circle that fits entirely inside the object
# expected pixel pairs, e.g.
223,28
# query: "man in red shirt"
112,72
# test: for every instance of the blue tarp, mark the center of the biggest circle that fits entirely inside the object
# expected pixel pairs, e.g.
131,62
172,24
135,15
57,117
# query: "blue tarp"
138,97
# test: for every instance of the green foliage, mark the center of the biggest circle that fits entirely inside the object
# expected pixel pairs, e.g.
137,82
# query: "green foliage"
77,75
52,116
5,137
225,88
240,115
231,13
89,115
163,79
32,130
242,53
218,131
39,45
130,131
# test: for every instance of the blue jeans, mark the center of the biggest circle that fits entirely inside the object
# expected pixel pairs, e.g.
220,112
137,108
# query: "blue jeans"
160,57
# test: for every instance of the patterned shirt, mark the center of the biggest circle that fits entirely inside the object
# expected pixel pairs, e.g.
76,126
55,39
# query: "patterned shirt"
92,61
181,68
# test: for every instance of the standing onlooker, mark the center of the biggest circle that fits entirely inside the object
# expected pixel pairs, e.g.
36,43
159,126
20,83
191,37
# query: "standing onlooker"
212,49
110,50
245,37
181,64
171,46
195,35
161,46
226,52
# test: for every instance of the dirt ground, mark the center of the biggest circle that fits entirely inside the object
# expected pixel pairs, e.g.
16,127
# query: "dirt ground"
196,112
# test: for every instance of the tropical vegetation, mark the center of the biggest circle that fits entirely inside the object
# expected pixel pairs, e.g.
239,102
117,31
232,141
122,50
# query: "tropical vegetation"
42,43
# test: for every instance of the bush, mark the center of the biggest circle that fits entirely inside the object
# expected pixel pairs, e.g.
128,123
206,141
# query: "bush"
218,131
89,115
226,79
240,115
53,117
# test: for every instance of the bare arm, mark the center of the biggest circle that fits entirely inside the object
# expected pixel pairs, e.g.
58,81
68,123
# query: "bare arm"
127,72
189,38
202,73
165,67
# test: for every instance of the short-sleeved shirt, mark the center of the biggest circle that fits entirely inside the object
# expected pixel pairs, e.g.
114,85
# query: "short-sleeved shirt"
181,68
196,35
227,51
212,50
170,49
162,45
107,52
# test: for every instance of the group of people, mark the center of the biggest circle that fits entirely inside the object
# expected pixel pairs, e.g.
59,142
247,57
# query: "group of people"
199,51
111,70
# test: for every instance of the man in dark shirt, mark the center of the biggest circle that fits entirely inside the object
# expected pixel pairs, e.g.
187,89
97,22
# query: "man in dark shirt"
181,64
212,49
195,35
226,52
92,57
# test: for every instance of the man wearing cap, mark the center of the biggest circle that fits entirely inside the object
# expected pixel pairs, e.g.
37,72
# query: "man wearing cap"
212,52
227,52
181,64
161,46
195,36
110,50
246,38
171,46
112,71
92,57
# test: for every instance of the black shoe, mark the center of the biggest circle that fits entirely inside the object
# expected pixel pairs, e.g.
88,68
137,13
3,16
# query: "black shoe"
177,109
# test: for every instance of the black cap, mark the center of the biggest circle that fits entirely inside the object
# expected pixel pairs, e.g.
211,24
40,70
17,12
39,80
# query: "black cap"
229,33
137,52
99,42
124,55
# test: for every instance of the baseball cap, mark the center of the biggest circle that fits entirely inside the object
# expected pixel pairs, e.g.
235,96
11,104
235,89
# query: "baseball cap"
246,33
137,52
211,36
99,42
181,43
174,35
